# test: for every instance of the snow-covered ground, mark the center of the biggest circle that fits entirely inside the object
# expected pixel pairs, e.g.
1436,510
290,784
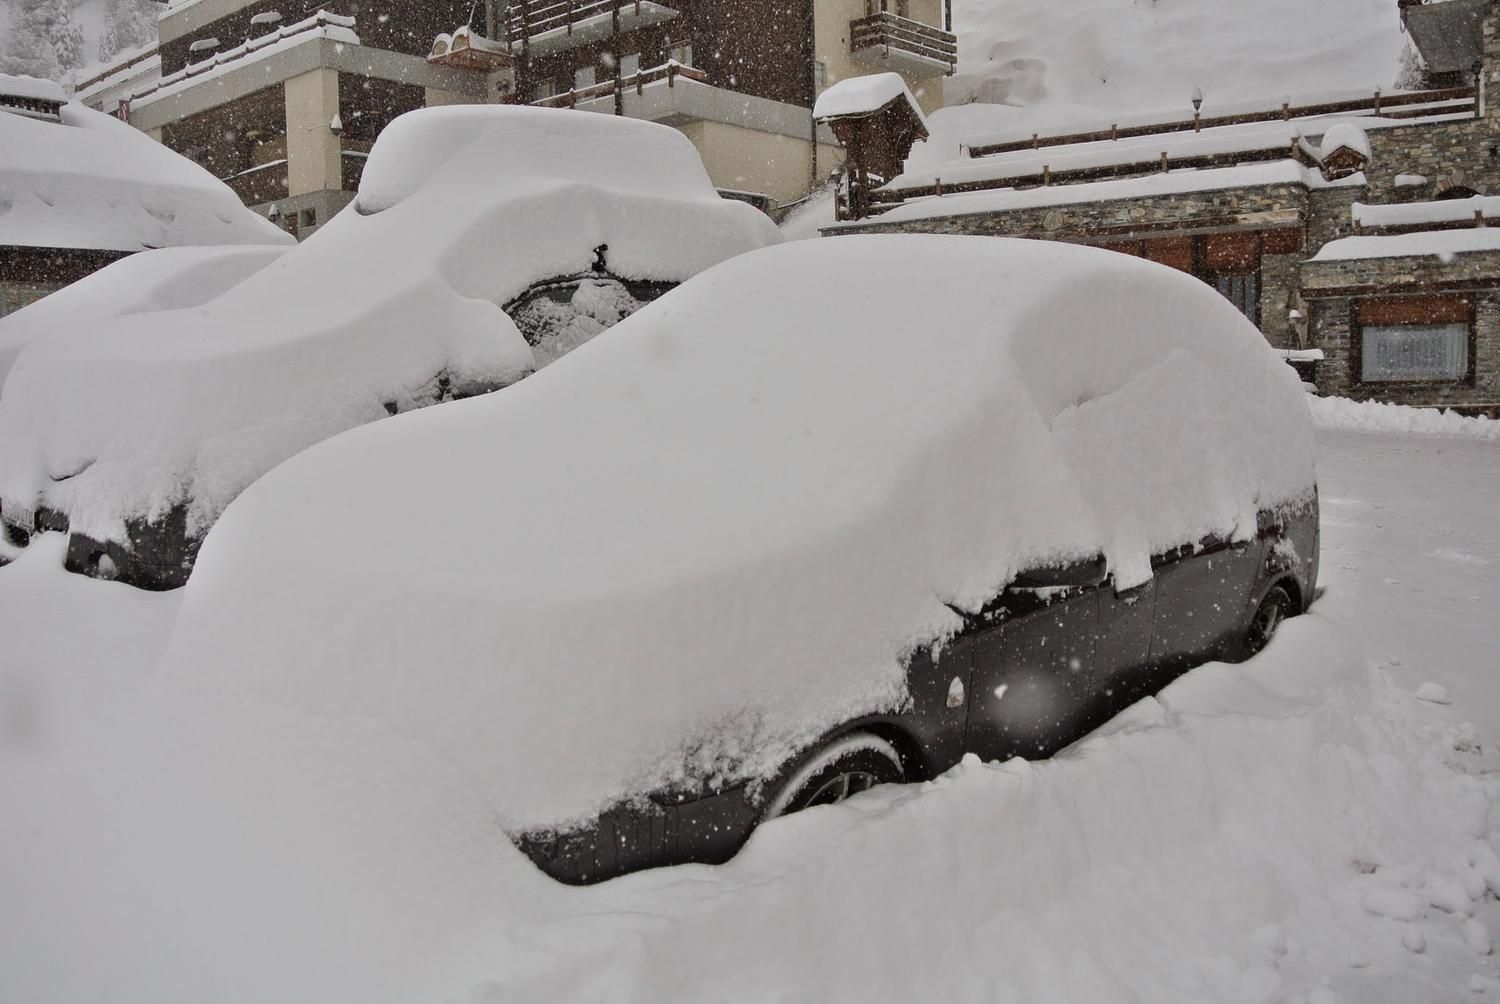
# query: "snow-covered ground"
1300,828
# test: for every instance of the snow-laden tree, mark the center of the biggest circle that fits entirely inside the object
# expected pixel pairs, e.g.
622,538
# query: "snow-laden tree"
29,50
44,40
128,24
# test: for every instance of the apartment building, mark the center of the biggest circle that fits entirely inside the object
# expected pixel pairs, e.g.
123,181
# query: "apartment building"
283,99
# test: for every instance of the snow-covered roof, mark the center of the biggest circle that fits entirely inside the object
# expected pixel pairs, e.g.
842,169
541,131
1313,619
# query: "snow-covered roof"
1410,214
996,200
460,209
1221,142
1441,243
94,182
865,95
1345,136
694,544
322,25
164,279
31,87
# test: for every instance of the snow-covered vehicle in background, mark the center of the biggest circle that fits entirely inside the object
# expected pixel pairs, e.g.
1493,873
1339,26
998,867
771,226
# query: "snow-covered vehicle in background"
484,242
160,279
756,552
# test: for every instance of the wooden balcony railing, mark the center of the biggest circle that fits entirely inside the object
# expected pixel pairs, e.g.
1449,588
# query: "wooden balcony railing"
671,72
530,18
892,34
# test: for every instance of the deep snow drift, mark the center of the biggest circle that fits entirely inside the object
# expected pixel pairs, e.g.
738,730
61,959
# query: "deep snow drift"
1257,835
1141,55
720,531
395,302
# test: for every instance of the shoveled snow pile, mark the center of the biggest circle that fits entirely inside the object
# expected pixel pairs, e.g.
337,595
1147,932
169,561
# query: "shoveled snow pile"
1374,416
394,303
94,182
164,279
684,551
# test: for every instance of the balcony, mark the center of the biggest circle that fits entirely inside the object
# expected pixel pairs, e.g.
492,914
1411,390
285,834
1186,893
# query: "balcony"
670,72
543,27
261,184
887,41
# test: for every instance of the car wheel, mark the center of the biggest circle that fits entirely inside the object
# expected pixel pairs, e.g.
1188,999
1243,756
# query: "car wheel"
845,767
1275,608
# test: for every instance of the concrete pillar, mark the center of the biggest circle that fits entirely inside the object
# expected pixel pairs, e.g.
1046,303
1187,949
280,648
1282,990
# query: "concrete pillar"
314,161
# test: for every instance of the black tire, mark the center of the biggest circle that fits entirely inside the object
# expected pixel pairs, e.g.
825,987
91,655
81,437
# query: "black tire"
850,764
1273,610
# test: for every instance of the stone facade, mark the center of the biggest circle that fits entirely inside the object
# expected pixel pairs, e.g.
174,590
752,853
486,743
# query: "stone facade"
1336,289
1300,303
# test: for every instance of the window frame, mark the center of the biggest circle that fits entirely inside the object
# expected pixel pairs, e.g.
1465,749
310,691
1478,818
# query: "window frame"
1418,310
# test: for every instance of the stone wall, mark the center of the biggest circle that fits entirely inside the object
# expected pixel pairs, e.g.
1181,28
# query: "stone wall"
1227,209
1334,289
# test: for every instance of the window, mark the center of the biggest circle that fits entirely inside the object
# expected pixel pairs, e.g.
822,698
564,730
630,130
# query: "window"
544,89
682,53
820,75
1243,291
1414,352
1419,339
584,77
630,65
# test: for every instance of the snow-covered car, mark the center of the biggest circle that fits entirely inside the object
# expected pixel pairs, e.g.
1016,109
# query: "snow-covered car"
484,242
155,280
833,514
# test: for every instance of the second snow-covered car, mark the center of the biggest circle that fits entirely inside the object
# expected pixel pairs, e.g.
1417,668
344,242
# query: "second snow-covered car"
832,514
484,242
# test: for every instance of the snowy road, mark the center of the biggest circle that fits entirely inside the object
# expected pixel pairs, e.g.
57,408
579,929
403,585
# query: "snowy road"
1411,549
1297,829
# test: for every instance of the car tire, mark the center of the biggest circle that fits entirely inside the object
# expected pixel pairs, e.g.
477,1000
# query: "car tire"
1275,608
845,767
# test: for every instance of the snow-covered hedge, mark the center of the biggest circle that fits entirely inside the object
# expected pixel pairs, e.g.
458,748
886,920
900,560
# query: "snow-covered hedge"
395,302
688,548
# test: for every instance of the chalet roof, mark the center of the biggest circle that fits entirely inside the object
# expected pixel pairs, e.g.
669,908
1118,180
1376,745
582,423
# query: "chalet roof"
30,87
1449,35
30,96
88,181
858,97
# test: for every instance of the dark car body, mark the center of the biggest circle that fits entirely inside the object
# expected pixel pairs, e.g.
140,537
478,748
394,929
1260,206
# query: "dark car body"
1033,672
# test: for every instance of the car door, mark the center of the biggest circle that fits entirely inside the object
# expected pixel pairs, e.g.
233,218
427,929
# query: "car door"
1122,655
1032,674
1201,596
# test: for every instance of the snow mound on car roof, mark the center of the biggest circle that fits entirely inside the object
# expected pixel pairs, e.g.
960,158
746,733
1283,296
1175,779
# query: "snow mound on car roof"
689,548
191,406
